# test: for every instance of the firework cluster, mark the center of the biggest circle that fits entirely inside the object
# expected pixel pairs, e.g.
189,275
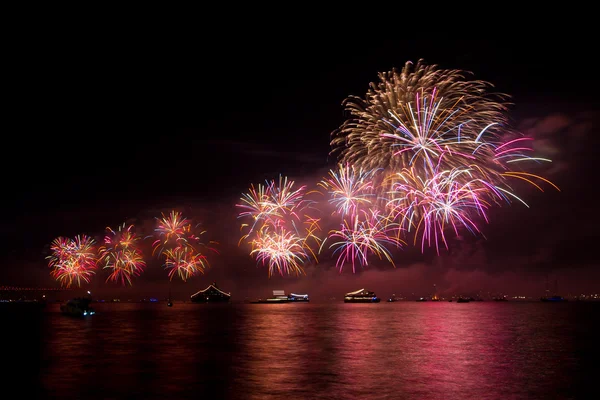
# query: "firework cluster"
180,246
279,229
121,255
176,242
423,156
73,260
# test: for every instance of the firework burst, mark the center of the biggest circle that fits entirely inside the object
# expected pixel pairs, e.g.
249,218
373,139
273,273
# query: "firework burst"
413,116
428,207
349,189
439,147
121,255
184,262
272,203
278,229
72,260
283,251
365,234
173,231
180,244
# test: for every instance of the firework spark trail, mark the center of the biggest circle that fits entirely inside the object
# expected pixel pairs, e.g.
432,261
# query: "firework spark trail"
411,116
181,246
430,119
429,207
285,198
72,260
121,255
283,251
350,189
272,202
258,205
279,230
367,233
440,149
173,232
184,262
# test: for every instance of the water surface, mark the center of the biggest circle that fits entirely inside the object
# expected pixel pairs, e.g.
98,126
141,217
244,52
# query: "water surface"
402,350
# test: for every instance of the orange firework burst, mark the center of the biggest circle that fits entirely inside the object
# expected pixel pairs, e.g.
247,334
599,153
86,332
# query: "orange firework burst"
72,260
121,255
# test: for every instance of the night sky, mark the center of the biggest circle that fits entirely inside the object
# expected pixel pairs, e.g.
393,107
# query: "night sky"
124,135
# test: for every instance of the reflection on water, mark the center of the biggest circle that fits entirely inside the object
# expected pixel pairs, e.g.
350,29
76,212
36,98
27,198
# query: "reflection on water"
307,351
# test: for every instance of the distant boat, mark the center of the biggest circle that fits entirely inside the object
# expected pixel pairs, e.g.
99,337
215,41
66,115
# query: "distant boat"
78,307
279,297
212,294
421,299
169,302
361,296
393,298
553,299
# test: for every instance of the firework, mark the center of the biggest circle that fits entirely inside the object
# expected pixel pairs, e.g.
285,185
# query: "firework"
285,199
257,205
428,207
121,255
281,250
185,262
366,233
271,203
181,246
349,189
173,232
72,260
439,148
278,231
429,120
413,116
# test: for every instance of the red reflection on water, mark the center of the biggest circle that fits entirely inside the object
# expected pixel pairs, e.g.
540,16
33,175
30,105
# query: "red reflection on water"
275,350
450,346
366,341
335,351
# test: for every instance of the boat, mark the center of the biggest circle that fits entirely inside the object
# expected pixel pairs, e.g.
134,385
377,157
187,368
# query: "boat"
279,297
361,296
553,299
78,307
394,298
435,296
169,301
212,294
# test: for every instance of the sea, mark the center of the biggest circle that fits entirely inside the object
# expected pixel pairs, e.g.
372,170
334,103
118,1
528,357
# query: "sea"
399,350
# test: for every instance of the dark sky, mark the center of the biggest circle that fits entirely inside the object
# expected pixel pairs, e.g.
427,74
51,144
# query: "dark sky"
110,134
